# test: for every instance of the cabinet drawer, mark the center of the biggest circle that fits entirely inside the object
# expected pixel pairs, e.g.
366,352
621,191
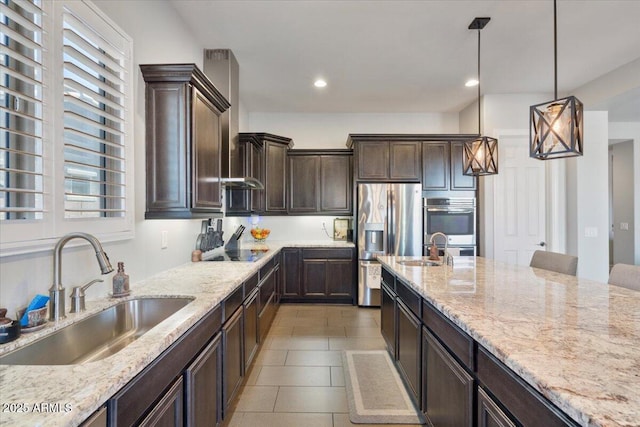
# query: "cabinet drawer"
524,403
389,279
232,302
250,284
327,253
265,269
267,288
459,343
409,297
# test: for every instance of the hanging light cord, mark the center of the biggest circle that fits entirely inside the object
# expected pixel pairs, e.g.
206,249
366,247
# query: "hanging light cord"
555,51
479,121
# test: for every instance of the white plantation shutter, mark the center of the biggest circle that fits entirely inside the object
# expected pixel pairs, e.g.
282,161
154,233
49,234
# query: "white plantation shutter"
21,108
66,148
94,112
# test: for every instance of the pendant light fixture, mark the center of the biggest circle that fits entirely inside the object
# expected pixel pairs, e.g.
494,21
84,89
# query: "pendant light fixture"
480,154
555,129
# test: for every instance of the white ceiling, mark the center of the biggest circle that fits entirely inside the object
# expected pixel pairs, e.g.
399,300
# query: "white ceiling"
411,56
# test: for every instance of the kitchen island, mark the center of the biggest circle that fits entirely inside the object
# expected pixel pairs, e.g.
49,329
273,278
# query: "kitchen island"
574,342
65,395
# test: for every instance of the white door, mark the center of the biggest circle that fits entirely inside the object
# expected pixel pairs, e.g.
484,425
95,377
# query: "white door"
519,202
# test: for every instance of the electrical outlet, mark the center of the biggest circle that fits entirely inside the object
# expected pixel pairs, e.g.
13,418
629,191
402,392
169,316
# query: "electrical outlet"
164,239
624,226
590,232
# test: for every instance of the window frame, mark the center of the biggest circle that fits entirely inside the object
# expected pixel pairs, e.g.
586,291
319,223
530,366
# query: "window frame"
37,235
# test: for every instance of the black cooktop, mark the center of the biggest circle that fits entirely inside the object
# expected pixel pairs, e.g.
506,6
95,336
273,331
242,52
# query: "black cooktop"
246,255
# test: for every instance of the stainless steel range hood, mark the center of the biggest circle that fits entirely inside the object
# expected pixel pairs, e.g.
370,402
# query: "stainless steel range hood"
246,182
221,67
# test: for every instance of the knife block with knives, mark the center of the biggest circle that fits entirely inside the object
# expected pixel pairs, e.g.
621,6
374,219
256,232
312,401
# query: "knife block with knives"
232,244
210,236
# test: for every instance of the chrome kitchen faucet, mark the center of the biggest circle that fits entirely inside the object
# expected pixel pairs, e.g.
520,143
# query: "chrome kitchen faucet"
448,259
56,291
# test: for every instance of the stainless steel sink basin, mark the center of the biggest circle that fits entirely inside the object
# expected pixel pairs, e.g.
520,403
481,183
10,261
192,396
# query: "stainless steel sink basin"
97,336
419,263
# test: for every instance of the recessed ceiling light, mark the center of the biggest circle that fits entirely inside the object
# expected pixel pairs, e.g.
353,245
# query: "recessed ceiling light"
471,83
320,83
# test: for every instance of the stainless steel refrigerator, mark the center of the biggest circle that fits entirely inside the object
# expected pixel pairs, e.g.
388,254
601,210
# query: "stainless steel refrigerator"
389,222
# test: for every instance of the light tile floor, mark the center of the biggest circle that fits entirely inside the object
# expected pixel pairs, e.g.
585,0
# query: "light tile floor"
297,377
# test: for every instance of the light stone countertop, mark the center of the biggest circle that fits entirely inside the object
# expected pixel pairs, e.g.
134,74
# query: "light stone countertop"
574,340
70,393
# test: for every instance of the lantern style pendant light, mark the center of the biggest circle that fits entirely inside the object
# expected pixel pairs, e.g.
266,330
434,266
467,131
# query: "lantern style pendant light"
480,154
555,129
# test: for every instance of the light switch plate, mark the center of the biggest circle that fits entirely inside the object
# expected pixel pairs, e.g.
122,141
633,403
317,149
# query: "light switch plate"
624,226
164,239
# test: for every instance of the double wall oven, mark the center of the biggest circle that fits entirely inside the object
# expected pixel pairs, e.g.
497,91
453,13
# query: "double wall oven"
455,217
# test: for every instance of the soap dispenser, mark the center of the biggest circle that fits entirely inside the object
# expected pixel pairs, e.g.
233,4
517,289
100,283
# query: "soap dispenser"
433,253
120,282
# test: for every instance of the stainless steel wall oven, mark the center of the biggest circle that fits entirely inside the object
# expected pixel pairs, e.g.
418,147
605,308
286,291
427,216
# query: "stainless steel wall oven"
455,217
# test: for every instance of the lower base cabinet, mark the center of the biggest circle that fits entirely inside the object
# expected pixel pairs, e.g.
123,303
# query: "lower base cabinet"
250,327
447,395
232,358
319,275
489,414
203,386
409,349
388,318
169,411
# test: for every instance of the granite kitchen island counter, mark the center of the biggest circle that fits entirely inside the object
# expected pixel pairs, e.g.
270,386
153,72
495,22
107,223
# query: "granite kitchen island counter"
575,341
65,395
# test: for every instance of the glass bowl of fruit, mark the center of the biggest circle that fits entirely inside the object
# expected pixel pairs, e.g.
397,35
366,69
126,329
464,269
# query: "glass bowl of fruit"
260,234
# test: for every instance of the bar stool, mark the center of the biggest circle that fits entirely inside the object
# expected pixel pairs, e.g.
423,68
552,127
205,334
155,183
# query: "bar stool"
627,276
553,261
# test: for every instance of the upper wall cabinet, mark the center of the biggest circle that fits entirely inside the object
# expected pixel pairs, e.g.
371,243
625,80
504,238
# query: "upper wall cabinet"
264,157
381,158
183,142
442,167
320,182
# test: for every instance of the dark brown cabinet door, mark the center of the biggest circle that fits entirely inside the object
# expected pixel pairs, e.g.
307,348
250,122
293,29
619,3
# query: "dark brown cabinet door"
435,166
459,181
304,191
265,158
168,412
336,184
275,177
203,382
256,165
232,357
268,302
447,388
339,277
320,182
388,318
409,348
167,147
207,137
250,328
291,258
404,161
373,160
314,277
489,414
183,142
